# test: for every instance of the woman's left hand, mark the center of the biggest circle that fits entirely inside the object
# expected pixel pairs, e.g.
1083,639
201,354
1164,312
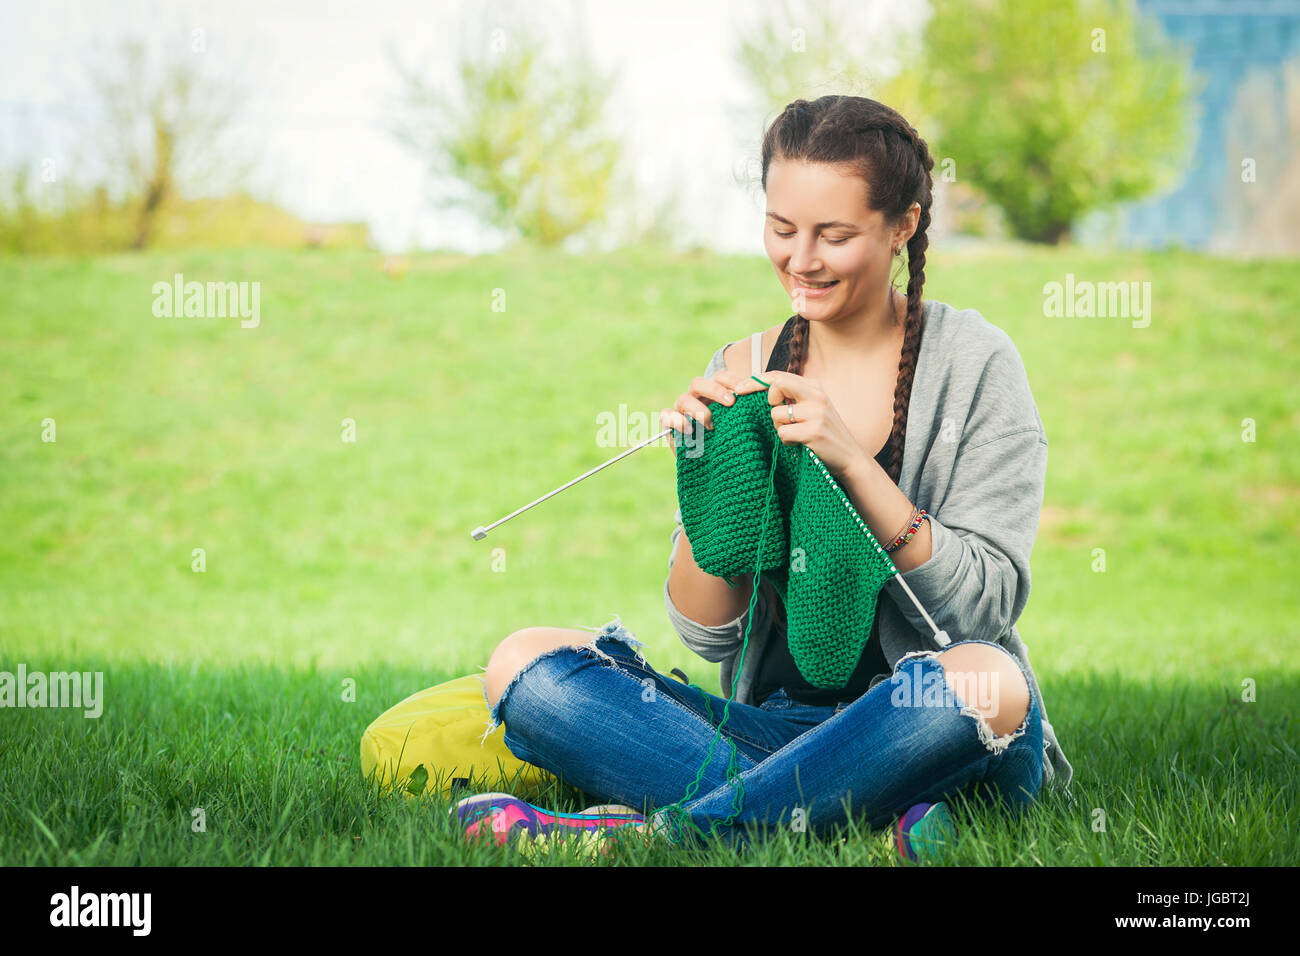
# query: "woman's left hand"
816,423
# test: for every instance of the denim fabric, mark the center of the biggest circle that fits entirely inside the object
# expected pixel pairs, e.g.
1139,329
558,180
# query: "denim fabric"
602,719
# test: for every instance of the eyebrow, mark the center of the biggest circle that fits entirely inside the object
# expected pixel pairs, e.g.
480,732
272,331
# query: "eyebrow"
834,224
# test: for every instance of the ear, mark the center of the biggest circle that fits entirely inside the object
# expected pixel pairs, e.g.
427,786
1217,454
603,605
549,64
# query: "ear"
906,227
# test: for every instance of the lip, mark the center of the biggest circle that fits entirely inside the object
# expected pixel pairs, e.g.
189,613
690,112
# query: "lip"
813,293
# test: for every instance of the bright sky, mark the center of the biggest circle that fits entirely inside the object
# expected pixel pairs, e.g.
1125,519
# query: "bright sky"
321,73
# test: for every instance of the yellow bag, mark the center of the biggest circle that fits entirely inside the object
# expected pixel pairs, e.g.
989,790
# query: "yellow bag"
430,742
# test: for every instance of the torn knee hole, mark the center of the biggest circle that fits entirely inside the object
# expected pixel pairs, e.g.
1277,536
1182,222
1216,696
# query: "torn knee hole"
993,742
978,694
616,631
980,698
494,710
910,654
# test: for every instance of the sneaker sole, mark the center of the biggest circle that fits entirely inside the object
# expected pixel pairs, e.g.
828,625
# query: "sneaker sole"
506,815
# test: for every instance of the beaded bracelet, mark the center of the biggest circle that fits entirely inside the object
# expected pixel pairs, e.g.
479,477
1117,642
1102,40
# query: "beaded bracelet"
917,517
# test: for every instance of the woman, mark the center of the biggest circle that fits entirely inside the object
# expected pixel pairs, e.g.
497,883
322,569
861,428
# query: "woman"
924,416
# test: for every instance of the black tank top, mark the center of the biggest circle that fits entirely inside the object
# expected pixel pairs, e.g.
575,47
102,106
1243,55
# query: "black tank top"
777,668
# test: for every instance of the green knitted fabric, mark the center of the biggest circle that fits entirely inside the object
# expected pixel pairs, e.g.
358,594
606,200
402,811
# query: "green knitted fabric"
819,554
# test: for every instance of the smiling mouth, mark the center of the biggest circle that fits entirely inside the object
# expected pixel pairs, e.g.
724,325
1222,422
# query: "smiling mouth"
814,285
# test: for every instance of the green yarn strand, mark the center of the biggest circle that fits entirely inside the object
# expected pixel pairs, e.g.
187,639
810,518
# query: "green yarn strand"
676,813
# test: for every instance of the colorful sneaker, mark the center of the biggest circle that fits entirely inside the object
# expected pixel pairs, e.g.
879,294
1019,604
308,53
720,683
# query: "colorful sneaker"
924,831
505,815
617,813
580,846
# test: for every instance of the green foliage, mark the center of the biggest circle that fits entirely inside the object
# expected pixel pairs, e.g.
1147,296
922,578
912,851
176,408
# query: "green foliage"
789,54
526,140
64,218
419,777
1049,118
39,217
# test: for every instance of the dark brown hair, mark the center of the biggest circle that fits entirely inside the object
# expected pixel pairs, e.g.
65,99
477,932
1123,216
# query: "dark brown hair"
894,163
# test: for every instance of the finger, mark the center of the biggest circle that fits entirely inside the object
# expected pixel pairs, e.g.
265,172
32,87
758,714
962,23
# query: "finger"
741,384
671,418
668,418
782,422
792,433
712,390
688,404
705,391
786,386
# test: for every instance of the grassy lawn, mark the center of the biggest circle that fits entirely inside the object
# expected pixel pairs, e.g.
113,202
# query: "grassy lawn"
327,560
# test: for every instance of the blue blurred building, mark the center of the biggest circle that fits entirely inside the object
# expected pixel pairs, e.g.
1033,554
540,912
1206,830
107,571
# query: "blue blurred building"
1228,40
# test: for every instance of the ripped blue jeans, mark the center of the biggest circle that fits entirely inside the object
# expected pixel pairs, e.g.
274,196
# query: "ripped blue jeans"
600,718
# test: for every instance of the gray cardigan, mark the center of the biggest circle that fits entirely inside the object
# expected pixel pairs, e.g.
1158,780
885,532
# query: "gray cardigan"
975,458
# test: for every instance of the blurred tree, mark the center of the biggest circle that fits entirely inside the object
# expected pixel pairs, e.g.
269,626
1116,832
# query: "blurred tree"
805,50
1054,108
159,116
526,140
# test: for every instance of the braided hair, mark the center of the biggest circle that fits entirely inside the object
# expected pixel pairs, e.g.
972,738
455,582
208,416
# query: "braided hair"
894,162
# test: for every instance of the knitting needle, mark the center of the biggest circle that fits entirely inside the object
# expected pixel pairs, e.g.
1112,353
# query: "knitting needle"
940,637
480,532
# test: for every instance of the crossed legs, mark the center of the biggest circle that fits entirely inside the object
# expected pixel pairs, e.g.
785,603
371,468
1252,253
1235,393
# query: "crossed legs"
972,667
592,724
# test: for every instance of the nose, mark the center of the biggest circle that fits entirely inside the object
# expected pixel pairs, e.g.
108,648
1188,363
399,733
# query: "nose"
802,261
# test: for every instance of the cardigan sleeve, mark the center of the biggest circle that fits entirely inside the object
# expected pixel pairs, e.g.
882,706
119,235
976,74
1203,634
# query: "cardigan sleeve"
983,526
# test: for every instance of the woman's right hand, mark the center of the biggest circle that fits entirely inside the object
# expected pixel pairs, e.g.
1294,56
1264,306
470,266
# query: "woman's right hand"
722,387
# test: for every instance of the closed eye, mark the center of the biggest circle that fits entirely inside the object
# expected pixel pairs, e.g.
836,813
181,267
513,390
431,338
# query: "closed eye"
833,242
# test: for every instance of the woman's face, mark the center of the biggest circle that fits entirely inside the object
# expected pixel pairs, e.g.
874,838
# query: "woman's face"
819,230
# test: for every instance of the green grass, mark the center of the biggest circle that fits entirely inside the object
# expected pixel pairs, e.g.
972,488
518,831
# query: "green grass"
327,560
